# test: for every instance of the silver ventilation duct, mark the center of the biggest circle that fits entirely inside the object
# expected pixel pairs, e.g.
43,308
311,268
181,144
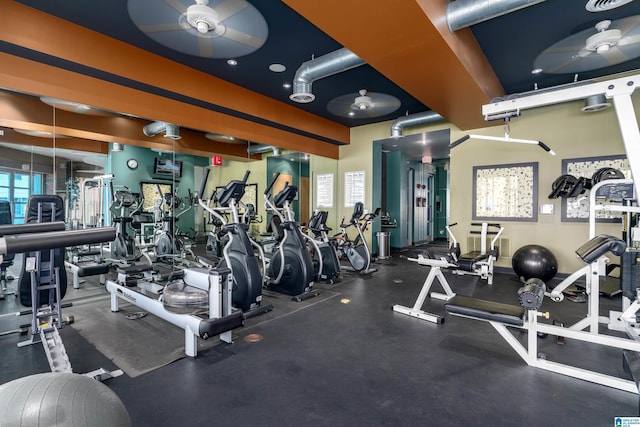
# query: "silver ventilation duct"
465,13
318,68
417,119
262,148
171,131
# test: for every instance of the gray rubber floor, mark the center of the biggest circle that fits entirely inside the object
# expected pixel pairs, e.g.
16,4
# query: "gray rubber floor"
349,360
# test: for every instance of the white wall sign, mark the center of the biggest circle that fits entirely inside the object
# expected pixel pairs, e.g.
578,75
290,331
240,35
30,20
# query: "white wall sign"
324,190
353,188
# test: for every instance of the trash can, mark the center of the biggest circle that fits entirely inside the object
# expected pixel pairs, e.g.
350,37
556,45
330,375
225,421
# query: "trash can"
384,251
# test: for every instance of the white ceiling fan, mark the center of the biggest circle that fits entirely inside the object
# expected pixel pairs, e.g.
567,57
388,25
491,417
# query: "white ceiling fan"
607,43
205,28
363,104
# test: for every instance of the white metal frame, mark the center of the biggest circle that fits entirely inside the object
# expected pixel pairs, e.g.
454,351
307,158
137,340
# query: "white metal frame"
530,353
434,273
220,297
620,91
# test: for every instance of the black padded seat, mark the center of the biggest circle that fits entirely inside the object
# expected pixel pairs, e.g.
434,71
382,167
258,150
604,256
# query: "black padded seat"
468,260
486,310
600,245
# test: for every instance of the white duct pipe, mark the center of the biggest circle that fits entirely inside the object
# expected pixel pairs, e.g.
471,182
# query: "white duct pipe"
464,13
318,68
171,131
261,148
423,118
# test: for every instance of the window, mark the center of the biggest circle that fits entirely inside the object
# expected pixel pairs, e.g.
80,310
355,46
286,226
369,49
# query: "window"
506,192
17,187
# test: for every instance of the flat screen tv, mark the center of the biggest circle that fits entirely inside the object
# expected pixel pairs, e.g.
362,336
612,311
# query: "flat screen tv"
167,167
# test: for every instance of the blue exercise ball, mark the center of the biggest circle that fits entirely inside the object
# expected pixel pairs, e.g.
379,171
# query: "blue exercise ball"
60,399
534,261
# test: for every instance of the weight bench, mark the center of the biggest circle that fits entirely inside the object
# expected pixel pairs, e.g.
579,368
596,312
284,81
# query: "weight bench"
78,271
503,317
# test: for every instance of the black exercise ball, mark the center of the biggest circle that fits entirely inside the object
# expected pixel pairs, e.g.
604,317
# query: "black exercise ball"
60,400
534,261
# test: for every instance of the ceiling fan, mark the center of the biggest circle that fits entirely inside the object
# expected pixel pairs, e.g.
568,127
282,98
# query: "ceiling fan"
205,28
363,104
613,42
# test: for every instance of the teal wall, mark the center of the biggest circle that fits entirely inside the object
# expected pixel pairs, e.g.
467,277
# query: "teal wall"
396,187
131,178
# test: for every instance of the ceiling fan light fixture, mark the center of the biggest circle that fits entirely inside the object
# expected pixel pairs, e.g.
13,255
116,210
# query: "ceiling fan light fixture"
202,17
362,102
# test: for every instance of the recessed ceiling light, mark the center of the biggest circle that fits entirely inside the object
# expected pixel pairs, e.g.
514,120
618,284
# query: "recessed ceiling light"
351,113
286,85
277,68
232,62
536,71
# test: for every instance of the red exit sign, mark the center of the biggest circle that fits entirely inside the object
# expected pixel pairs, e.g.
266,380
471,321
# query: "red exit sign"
216,161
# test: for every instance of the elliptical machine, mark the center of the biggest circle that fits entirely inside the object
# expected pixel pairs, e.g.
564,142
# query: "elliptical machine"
238,253
357,250
291,268
330,263
167,244
123,248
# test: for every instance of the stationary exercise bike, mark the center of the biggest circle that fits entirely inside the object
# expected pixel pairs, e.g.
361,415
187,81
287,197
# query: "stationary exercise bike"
238,252
330,263
357,250
291,267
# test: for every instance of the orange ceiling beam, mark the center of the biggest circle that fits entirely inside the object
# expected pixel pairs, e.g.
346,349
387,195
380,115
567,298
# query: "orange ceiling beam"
31,77
44,33
409,43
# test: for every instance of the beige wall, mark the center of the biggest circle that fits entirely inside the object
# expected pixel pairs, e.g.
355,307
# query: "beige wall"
568,131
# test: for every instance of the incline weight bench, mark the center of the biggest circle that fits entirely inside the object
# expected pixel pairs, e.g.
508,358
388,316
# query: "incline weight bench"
479,263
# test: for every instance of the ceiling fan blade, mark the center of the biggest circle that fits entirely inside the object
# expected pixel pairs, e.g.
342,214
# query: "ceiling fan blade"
614,56
177,5
205,47
243,38
628,25
583,53
159,28
567,49
228,8
629,40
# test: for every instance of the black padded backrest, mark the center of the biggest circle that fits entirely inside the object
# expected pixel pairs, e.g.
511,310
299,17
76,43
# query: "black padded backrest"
5,218
52,209
358,210
600,245
47,202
